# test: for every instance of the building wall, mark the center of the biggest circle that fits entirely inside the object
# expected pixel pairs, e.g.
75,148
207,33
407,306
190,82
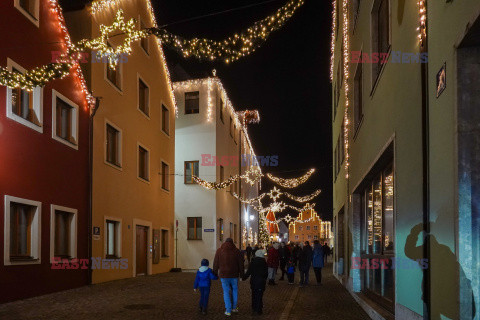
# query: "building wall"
34,165
118,192
194,136
299,229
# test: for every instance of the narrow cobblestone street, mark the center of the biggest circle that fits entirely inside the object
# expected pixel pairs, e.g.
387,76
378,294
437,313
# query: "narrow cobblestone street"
171,296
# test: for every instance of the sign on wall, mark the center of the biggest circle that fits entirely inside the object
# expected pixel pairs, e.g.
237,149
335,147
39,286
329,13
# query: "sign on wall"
96,233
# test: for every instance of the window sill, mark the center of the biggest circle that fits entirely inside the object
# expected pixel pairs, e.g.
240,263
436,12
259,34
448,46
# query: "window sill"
143,113
27,14
114,86
119,168
19,262
31,125
165,190
194,239
65,142
143,180
166,134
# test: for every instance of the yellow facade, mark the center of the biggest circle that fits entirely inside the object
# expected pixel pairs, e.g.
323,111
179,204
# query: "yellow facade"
313,228
126,208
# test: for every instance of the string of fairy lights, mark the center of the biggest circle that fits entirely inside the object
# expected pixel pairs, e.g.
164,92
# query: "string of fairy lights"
231,49
291,183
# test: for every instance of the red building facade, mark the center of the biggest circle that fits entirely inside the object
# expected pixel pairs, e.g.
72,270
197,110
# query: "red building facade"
44,153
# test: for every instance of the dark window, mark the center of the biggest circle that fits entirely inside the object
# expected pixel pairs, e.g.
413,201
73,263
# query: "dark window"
114,73
337,17
231,127
194,228
358,96
64,121
113,145
144,41
165,176
21,217
356,10
143,169
222,174
192,102
191,168
29,7
221,109
380,33
112,239
164,248
143,97
22,104
63,221
308,227
165,120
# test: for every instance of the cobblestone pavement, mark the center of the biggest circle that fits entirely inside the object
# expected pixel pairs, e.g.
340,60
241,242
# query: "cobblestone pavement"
171,296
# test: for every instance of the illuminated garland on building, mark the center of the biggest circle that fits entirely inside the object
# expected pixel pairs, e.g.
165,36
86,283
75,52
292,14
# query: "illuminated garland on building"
249,116
422,29
346,76
291,183
249,201
304,198
234,47
37,77
332,48
228,182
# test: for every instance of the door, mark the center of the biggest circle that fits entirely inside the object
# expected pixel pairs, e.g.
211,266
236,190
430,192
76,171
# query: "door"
141,250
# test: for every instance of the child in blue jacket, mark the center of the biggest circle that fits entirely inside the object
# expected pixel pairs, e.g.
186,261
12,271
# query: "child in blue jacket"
203,280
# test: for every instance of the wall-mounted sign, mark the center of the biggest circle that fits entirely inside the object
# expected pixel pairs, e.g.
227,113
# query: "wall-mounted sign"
96,233
209,230
441,80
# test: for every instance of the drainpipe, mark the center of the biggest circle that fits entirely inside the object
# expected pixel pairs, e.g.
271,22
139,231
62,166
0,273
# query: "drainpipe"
90,180
426,175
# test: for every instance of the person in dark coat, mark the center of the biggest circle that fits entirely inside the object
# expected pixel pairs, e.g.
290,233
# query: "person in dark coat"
203,280
304,263
258,273
296,252
249,252
318,260
229,261
326,251
273,261
284,254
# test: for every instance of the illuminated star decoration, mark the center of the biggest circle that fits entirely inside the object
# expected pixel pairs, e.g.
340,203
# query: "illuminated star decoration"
274,194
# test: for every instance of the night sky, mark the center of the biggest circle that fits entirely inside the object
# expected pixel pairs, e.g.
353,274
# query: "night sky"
287,80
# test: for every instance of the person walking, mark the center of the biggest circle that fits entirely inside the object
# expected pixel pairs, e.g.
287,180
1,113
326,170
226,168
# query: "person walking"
273,262
296,253
326,251
304,263
318,260
228,265
291,270
258,273
284,254
203,280
249,252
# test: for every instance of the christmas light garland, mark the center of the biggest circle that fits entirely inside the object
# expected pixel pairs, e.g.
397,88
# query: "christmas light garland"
228,182
304,198
234,47
422,29
346,76
291,183
332,44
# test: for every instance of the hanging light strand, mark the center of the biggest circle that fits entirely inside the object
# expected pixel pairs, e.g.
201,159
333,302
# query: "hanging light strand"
291,183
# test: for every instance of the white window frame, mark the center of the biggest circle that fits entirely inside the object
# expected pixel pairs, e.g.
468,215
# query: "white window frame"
75,119
36,17
118,230
36,232
73,230
139,144
120,145
37,101
149,109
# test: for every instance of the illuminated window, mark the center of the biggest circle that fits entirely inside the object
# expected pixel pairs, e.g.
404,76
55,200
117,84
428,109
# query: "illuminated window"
113,239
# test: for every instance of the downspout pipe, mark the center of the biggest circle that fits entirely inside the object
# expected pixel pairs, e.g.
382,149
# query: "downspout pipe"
90,181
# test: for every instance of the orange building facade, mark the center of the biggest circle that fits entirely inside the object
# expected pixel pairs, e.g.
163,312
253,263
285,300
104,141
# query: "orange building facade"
312,228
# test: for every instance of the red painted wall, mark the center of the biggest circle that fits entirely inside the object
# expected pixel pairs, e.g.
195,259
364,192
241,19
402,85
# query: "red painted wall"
33,165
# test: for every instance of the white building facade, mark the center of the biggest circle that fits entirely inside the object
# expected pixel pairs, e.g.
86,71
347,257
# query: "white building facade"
211,141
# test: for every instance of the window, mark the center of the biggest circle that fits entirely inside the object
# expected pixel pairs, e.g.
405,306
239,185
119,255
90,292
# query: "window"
143,163
191,168
63,232
222,174
143,97
144,41
315,237
114,74
23,106
165,176
235,133
220,229
30,9
112,239
194,228
64,120
296,237
192,102
358,97
22,231
300,228
164,247
315,227
356,10
113,149
165,120
221,109
380,33
309,237
377,233
308,227
231,127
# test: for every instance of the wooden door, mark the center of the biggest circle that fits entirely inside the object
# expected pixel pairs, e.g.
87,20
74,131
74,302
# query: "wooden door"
141,250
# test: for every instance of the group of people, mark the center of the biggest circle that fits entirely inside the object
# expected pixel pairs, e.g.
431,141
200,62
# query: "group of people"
263,265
